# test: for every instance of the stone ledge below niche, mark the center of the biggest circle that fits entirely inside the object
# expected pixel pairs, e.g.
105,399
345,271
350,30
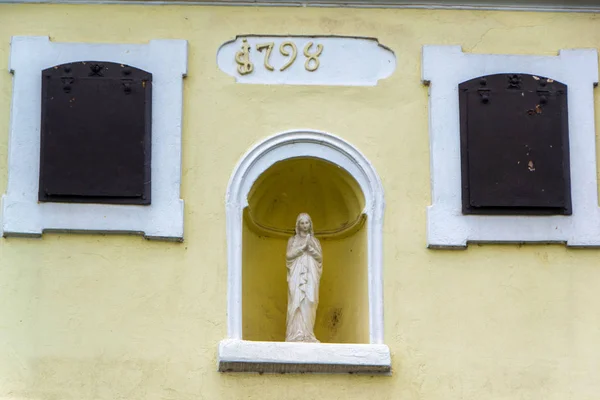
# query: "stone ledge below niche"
284,357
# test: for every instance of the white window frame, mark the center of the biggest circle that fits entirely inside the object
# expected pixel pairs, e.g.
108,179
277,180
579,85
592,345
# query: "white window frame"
22,214
444,67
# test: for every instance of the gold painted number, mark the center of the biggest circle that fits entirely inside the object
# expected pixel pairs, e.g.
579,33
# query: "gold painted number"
312,57
284,52
269,47
287,49
242,58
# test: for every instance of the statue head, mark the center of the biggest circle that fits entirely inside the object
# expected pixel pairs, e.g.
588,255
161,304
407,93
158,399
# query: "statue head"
304,224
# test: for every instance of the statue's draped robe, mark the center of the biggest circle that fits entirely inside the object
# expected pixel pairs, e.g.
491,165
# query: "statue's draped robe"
303,276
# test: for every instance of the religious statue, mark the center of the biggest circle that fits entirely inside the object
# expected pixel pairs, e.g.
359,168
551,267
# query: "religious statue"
304,259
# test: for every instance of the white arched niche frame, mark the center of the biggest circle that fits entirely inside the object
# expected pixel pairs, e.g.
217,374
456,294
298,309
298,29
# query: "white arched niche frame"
443,68
237,355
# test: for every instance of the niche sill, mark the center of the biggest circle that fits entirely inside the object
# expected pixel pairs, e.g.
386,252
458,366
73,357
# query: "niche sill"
282,357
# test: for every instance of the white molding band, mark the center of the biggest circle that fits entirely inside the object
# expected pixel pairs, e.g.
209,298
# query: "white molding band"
582,6
283,357
444,67
293,144
22,214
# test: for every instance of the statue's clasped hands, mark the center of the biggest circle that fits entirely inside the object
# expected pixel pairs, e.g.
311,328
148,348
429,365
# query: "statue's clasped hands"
308,248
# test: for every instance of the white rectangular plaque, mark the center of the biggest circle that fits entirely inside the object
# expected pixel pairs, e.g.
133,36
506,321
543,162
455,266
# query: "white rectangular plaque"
306,60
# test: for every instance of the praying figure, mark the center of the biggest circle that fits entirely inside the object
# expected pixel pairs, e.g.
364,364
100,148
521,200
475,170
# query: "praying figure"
304,259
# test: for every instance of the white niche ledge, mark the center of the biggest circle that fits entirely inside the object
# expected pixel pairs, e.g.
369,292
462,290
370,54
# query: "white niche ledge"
282,357
238,355
22,214
443,68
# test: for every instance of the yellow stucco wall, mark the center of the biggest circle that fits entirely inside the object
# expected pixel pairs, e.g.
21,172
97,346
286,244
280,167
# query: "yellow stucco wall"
118,317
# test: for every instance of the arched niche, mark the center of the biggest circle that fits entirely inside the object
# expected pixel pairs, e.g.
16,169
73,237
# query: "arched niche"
324,148
341,172
335,203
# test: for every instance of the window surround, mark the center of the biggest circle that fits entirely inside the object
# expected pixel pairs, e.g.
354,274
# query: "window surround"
443,68
22,214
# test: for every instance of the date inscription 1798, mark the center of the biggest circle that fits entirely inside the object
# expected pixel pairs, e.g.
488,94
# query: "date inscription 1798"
287,49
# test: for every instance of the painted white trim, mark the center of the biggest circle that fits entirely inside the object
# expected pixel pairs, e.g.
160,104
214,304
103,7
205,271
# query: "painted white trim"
245,356
304,143
371,61
444,67
22,214
581,7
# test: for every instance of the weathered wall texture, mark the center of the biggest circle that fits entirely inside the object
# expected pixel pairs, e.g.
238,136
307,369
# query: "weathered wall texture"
118,317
